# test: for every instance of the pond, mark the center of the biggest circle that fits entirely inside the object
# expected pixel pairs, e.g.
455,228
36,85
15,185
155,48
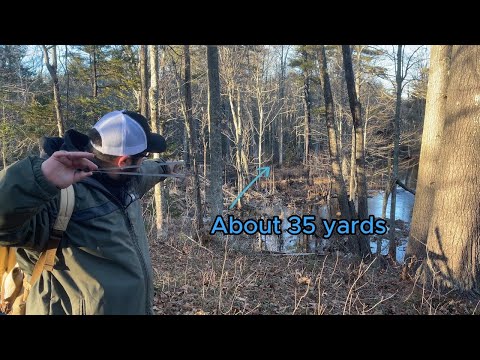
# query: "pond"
288,243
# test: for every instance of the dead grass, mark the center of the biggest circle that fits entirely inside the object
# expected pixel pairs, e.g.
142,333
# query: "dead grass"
190,279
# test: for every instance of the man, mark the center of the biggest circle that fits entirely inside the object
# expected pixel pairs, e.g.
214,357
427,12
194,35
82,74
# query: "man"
102,263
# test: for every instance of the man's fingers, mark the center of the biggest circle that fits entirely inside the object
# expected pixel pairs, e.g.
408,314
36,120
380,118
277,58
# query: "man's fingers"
75,159
80,175
73,154
84,164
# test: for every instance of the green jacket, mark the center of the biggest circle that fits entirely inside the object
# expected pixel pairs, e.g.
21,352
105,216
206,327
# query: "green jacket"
103,263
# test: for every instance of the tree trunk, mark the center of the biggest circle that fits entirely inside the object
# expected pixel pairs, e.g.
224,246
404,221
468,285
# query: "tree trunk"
344,160
356,109
186,146
453,241
261,123
4,140
339,184
308,116
388,190
67,74
215,119
143,81
192,135
307,120
435,111
94,72
238,127
353,166
280,142
283,66
52,69
392,248
153,97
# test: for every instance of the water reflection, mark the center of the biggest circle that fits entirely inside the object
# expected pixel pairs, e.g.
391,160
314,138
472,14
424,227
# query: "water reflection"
403,207
296,243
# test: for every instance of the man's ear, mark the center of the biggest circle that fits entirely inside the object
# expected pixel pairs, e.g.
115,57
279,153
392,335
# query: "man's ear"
123,161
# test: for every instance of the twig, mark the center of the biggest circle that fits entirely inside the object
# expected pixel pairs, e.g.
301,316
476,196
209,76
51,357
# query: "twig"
319,287
276,253
360,274
220,285
381,300
301,298
476,307
198,244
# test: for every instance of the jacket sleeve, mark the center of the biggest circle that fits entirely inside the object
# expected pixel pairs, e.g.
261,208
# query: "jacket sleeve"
145,183
28,202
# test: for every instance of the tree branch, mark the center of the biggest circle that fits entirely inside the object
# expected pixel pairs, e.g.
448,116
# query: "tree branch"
405,187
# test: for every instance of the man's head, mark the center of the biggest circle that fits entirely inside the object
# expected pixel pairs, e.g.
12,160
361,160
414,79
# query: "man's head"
123,138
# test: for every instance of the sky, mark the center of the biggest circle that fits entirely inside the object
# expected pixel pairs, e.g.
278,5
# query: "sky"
35,58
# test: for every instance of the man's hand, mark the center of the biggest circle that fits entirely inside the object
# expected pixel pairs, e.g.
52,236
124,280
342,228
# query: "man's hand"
62,168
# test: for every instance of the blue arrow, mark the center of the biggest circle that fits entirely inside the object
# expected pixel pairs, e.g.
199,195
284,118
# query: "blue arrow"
265,171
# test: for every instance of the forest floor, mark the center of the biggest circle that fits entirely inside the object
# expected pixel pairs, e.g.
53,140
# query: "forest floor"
190,279
216,278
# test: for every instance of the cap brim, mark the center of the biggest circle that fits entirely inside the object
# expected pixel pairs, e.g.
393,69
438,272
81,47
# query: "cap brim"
156,143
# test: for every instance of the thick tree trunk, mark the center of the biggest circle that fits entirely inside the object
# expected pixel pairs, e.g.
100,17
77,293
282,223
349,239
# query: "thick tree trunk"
160,206
192,135
339,184
143,81
392,248
355,108
453,242
52,69
215,119
440,56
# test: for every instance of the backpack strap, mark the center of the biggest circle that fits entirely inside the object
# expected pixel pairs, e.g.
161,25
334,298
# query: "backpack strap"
8,261
3,261
46,261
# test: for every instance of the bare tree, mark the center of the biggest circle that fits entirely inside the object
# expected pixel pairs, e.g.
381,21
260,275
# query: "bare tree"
356,109
265,103
93,62
143,55
232,59
283,72
215,120
52,69
3,139
392,248
192,135
403,65
308,105
160,208
339,184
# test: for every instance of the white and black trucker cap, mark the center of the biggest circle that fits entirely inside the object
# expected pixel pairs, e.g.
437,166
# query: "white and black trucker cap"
127,133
